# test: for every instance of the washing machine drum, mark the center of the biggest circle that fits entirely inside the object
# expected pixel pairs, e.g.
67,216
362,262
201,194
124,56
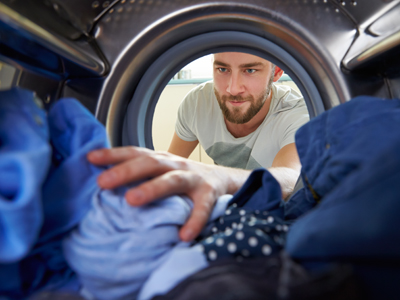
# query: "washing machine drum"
116,57
319,44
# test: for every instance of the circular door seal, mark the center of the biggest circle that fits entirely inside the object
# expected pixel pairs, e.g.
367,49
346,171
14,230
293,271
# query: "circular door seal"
137,128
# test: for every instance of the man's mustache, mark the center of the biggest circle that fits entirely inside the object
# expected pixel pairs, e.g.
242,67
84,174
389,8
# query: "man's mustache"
236,98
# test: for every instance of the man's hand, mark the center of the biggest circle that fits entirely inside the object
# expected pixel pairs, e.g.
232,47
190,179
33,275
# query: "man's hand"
168,174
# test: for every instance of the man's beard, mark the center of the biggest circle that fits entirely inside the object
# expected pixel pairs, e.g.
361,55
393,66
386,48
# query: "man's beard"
235,115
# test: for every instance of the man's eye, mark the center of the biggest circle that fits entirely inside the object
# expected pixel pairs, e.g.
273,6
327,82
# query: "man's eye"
250,71
223,70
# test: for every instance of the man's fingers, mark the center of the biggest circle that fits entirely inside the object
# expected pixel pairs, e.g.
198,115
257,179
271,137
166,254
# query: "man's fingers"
121,174
164,174
171,183
115,155
198,219
178,182
144,165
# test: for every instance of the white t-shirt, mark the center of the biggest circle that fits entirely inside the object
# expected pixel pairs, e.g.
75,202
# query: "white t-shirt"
200,118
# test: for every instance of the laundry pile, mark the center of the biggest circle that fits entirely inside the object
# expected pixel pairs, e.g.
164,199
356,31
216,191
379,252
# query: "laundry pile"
45,189
60,232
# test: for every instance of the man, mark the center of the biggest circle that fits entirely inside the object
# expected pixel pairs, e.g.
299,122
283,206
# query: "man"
171,174
241,118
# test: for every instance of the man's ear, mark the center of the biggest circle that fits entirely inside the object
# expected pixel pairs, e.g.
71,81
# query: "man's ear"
278,73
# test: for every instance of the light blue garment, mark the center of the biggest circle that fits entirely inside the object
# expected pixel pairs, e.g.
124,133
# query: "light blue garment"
182,261
117,246
180,264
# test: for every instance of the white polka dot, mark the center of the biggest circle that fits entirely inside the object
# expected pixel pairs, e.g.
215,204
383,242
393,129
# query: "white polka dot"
242,219
278,227
239,235
219,242
228,212
251,224
209,240
221,221
245,252
285,228
253,242
228,231
231,247
266,249
234,225
214,229
240,226
234,204
242,212
270,219
212,255
257,211
259,232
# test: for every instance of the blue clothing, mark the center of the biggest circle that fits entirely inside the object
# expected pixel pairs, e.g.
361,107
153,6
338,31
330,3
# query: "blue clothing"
251,226
47,189
71,182
117,247
24,163
44,188
260,192
346,212
336,143
351,167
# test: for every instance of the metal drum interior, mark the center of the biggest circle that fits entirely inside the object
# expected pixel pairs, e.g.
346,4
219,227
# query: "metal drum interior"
116,57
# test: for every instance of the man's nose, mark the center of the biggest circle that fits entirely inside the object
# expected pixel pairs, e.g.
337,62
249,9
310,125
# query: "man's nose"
235,85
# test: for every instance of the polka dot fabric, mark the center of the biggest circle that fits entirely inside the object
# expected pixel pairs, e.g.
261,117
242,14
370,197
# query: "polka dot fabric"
244,233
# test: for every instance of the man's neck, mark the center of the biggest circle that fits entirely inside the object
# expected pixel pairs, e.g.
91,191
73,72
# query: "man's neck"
241,130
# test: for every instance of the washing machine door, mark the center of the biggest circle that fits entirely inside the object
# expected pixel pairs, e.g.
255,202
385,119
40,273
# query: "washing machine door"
116,57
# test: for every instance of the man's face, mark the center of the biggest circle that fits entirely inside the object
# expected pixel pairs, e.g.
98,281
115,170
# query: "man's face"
242,83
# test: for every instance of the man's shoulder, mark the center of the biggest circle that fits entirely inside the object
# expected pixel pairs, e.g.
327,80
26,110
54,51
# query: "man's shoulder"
203,88
200,101
286,98
203,92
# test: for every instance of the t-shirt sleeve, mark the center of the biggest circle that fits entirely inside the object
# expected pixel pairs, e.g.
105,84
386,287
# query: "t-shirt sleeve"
295,119
184,126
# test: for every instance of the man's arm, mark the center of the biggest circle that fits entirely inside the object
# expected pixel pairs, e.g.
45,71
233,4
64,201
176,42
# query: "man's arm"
170,174
286,169
181,147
